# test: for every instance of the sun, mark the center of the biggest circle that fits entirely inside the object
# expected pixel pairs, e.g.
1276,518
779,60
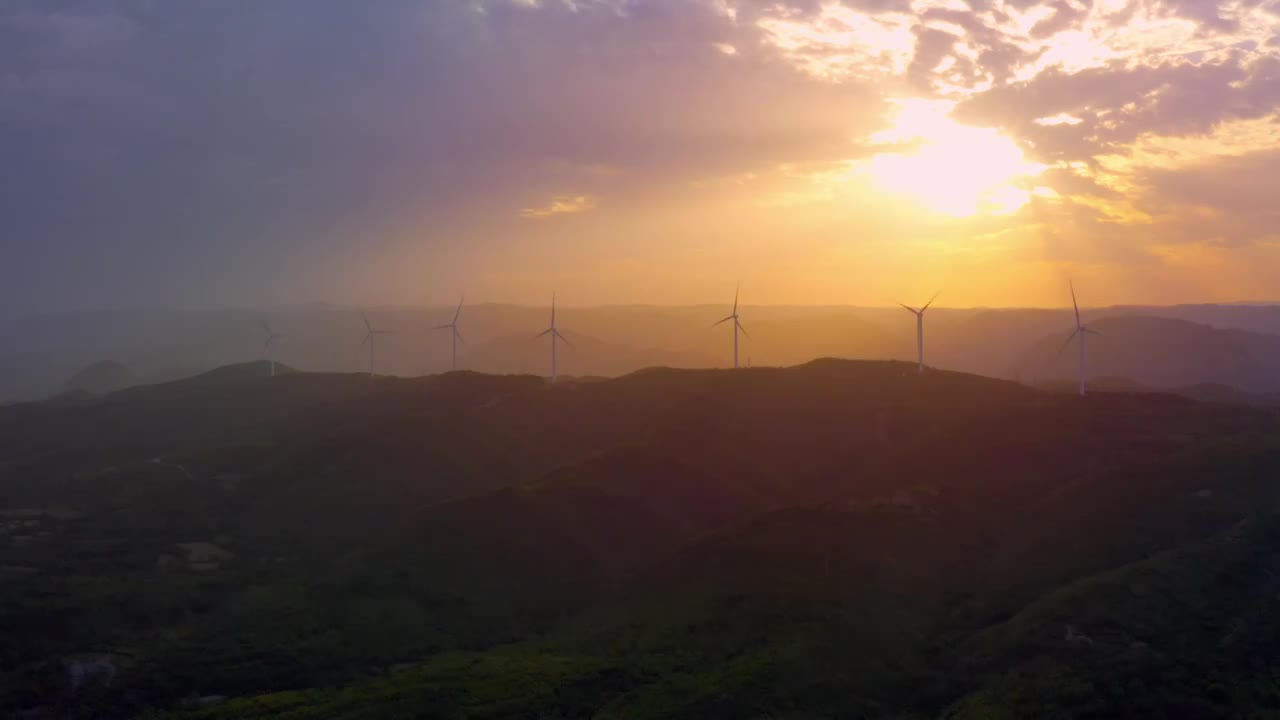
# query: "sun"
951,168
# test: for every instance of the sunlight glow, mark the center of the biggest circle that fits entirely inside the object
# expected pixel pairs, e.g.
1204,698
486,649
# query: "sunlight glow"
952,169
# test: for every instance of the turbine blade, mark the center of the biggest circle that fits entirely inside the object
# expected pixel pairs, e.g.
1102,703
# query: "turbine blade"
544,332
458,312
1073,302
365,341
265,325
441,327
736,290
1091,331
459,336
365,318
740,327
908,307
720,322
563,339
926,305
1070,337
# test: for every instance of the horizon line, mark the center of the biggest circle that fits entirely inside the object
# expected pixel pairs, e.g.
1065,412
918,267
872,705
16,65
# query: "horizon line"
356,306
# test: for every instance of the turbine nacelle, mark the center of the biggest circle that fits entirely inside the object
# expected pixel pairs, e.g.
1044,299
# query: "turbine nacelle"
370,331
453,324
370,334
1081,328
455,334
1082,331
921,311
555,335
271,335
737,322
552,331
737,326
920,329
268,341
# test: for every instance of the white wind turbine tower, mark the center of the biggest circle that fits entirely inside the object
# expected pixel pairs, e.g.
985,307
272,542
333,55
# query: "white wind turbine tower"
266,345
454,333
737,325
1082,331
369,337
555,335
920,327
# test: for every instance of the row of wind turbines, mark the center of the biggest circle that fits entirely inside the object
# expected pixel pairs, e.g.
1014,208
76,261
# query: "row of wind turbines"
371,335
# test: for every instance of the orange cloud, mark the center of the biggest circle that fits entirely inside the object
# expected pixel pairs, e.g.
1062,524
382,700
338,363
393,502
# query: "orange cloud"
560,205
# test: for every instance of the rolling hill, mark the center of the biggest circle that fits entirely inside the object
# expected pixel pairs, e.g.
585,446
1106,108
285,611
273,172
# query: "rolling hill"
831,539
166,345
582,356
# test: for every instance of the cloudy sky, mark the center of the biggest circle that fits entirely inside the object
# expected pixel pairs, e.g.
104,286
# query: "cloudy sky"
231,152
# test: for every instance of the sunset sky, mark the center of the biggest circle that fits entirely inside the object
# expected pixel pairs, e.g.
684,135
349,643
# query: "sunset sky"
620,151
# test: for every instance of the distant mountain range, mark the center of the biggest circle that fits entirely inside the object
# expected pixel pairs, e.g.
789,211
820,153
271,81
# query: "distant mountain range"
45,353
1161,353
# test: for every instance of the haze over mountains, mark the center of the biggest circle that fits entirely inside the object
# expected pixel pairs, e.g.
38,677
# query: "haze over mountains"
1165,353
46,355
43,354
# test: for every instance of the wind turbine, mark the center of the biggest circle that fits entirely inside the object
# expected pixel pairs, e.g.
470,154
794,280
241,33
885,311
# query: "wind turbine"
555,335
737,325
1081,330
456,336
920,327
266,345
369,336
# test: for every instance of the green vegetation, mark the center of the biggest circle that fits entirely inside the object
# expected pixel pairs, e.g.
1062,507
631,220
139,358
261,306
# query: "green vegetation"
833,540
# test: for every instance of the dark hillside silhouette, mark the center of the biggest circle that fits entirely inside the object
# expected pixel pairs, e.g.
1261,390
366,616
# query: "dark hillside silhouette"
808,534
